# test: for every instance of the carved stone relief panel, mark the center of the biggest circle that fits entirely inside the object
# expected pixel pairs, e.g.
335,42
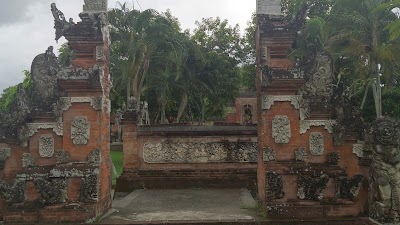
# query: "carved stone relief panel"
14,193
53,191
300,154
311,187
89,191
166,152
348,188
274,186
46,146
80,130
27,160
281,129
95,157
62,156
99,53
316,143
269,154
4,154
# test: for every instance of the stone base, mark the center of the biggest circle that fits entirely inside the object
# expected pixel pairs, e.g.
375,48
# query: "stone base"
312,211
167,179
62,213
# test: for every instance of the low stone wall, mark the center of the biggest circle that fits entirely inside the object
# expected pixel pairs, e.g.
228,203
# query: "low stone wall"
190,156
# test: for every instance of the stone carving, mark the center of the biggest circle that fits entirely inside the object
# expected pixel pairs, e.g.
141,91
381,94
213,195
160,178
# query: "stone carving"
66,102
95,157
166,152
274,186
311,187
14,193
53,191
144,114
316,143
384,190
46,146
358,149
44,82
296,100
34,127
27,160
269,7
99,53
4,154
333,158
131,104
62,156
269,154
300,154
89,191
95,6
60,23
72,73
348,188
96,103
320,82
281,129
80,130
307,124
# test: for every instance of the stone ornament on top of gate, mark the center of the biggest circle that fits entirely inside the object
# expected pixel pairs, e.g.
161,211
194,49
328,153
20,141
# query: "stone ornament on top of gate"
95,6
200,152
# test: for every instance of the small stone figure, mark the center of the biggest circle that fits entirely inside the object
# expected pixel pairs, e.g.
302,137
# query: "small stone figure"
144,114
131,104
49,53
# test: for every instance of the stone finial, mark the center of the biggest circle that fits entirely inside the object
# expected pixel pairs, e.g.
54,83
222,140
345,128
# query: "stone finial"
269,7
95,6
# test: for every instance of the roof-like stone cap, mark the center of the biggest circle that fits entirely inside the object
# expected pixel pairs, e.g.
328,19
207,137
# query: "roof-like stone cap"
269,7
95,6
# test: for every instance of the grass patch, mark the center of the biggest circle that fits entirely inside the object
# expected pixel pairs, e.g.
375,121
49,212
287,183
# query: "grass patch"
116,157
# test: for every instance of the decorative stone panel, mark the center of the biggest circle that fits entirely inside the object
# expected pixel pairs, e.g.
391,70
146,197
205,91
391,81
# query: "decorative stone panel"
296,100
200,152
27,160
66,102
34,127
53,191
269,154
333,158
300,154
80,130
99,53
95,157
4,154
46,146
358,149
89,191
274,186
95,6
311,187
62,156
307,124
316,143
14,193
281,129
348,188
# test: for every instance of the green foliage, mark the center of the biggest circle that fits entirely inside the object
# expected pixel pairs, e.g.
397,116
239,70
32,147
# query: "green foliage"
9,94
66,55
117,159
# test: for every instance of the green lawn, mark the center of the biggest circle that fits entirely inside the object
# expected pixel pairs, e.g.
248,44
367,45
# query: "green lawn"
116,157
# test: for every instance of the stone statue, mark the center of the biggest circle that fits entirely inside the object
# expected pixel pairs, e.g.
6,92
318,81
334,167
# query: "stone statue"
384,195
131,104
144,114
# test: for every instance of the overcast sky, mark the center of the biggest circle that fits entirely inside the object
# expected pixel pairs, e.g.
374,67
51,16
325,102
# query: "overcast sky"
26,26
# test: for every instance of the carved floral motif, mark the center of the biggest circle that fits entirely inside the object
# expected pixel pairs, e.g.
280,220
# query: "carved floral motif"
269,154
300,154
307,124
53,191
14,193
95,157
80,130
281,129
316,143
333,158
62,156
27,160
358,149
89,191
46,146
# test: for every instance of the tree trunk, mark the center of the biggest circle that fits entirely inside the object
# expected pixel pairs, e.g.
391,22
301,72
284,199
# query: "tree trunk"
182,106
163,117
365,96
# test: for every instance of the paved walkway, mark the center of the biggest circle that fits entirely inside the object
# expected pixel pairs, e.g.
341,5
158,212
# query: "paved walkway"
166,206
